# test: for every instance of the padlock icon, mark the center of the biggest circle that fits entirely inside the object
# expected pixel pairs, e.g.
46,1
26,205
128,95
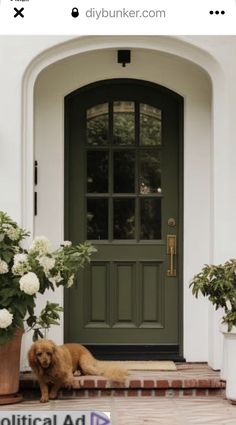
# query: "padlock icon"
75,12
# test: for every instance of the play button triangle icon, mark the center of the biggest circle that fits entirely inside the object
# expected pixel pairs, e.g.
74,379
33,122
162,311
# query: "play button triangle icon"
98,419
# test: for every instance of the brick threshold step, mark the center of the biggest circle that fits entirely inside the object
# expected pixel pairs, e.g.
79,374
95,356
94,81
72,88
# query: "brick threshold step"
187,380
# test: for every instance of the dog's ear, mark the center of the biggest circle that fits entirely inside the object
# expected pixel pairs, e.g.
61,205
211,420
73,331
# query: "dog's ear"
55,354
33,362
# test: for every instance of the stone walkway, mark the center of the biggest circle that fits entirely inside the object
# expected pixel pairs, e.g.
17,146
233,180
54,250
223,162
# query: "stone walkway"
149,411
181,397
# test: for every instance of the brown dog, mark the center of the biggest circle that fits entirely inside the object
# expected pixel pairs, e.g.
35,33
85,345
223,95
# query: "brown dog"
54,365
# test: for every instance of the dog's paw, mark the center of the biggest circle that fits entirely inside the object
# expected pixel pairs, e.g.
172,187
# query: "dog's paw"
44,399
69,383
53,395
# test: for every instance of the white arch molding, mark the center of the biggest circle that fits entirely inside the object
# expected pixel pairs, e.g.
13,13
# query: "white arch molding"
170,45
80,45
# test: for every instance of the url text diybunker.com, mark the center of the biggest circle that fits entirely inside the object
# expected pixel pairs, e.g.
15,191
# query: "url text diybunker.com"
124,13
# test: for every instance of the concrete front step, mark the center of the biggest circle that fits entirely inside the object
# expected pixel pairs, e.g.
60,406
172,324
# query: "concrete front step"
187,380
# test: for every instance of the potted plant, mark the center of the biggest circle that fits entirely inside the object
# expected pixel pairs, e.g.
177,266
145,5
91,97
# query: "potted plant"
24,274
218,283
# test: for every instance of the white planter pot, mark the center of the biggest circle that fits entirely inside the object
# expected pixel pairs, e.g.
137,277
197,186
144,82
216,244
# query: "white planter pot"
230,338
224,364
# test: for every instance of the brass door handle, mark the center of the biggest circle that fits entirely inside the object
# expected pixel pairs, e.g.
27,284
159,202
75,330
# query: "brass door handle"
171,251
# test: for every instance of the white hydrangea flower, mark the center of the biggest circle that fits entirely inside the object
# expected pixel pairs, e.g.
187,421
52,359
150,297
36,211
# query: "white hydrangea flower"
40,244
20,258
20,268
13,233
3,267
21,265
47,263
5,318
66,243
1,237
55,279
6,226
91,249
29,283
70,281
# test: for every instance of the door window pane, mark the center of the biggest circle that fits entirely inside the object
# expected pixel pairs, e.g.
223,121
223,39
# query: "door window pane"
150,218
150,125
97,219
124,219
124,172
97,125
150,172
97,171
123,123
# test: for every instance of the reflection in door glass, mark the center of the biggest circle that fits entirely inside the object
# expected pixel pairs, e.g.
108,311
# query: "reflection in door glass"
97,171
97,125
124,172
150,125
123,123
124,219
150,172
150,218
97,219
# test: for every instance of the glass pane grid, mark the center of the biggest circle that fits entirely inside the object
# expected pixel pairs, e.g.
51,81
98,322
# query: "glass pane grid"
124,218
123,123
124,176
97,125
150,125
97,217
97,171
150,218
150,172
124,172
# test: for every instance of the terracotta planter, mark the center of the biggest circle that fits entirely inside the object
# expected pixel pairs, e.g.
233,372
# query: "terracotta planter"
10,369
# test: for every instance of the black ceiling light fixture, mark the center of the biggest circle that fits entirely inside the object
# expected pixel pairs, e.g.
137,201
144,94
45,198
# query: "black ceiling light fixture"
124,57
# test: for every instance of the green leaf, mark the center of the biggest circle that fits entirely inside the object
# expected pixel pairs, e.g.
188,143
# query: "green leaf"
37,334
6,256
31,321
22,308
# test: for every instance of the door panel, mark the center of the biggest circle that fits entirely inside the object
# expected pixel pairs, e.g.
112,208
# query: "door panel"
122,155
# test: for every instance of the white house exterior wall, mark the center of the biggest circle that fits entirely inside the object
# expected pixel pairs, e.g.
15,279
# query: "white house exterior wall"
199,68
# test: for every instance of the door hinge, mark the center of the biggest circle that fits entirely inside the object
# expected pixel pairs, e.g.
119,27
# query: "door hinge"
35,203
35,172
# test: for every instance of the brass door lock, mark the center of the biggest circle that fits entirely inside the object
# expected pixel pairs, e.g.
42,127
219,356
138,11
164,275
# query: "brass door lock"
171,222
171,251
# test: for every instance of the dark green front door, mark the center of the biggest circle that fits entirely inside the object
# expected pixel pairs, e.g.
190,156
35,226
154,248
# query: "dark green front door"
123,193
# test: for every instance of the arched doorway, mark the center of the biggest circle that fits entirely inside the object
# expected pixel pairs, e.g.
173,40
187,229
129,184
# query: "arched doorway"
80,65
